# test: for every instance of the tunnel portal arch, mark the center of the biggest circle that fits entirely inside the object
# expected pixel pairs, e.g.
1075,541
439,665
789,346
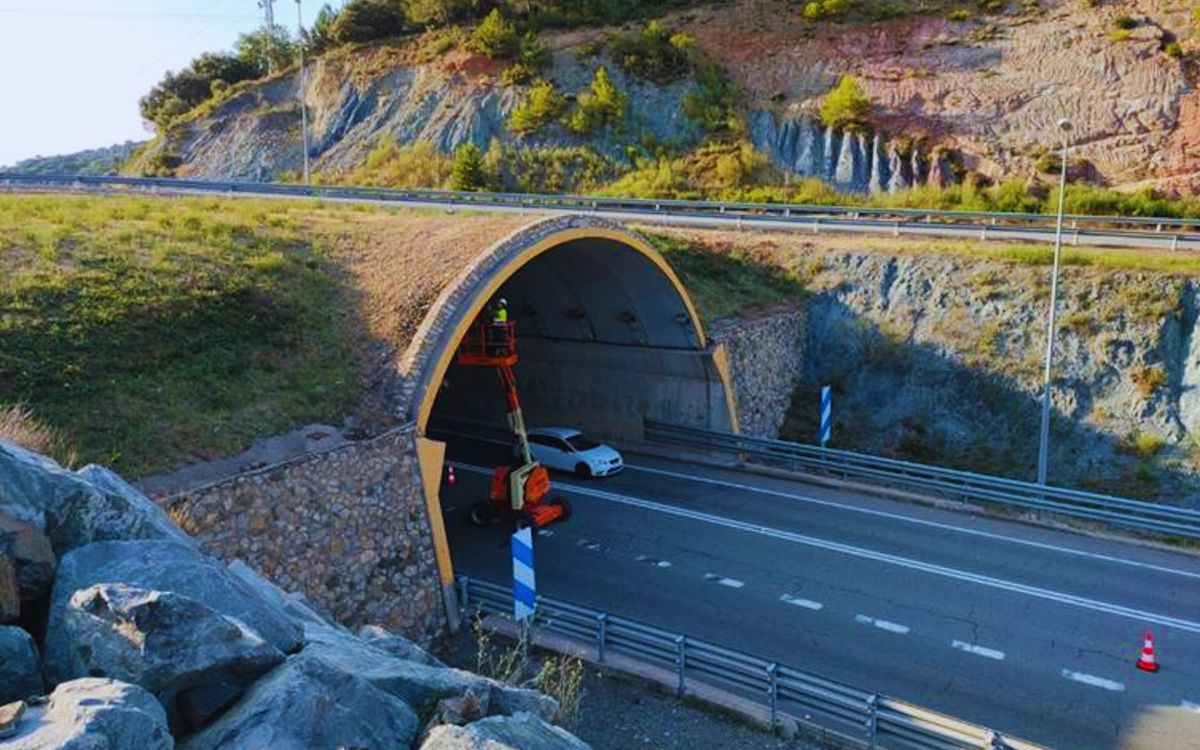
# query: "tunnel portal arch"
607,334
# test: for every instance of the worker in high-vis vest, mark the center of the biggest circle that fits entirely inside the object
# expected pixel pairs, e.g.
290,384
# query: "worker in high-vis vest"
500,314
499,333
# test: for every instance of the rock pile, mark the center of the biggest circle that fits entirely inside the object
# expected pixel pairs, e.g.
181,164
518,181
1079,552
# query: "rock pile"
146,643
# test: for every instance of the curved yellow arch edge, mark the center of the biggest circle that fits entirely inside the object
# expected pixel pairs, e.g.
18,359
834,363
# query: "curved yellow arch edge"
523,258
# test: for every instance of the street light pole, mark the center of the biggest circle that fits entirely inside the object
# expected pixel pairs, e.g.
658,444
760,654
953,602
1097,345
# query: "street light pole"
1044,443
303,88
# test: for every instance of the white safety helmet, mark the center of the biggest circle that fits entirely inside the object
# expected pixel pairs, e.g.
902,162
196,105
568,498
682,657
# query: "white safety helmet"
503,302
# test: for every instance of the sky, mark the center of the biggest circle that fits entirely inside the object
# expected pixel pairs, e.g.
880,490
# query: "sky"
72,71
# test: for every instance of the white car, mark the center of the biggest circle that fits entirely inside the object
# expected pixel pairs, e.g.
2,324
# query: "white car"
568,449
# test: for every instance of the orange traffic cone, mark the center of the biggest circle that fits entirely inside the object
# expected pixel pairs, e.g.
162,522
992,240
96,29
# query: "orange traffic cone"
1146,662
450,475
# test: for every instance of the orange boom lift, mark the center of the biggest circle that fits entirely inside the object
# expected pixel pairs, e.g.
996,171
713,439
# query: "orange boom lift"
520,491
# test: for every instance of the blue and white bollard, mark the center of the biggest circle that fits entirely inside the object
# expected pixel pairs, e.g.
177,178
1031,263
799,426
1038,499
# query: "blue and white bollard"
826,414
524,585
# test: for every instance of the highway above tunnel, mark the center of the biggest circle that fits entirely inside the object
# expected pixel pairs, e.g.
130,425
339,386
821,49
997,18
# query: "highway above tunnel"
1029,630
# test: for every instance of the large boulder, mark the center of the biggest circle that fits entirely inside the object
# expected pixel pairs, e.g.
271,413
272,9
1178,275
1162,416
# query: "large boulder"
163,641
415,683
517,732
94,714
307,703
162,565
23,542
396,645
20,668
71,509
293,604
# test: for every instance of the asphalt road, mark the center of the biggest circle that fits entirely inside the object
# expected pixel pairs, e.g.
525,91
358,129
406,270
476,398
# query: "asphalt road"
1027,630
669,215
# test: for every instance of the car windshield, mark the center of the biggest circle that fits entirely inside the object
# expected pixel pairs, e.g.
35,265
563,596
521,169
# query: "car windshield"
582,442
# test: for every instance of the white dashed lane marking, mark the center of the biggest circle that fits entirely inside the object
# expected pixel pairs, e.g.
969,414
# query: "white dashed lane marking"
588,544
545,532
970,648
891,627
797,601
652,561
1093,680
732,583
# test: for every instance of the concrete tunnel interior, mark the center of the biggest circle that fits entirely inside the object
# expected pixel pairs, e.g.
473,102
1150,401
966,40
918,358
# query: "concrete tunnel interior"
607,338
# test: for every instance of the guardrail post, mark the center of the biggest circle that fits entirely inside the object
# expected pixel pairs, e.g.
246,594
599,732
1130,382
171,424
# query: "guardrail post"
464,593
815,224
983,233
896,229
1158,228
681,661
601,635
996,742
1175,242
773,677
1075,238
872,720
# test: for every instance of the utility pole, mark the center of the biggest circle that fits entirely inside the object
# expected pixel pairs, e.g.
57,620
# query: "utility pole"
268,9
301,38
1064,125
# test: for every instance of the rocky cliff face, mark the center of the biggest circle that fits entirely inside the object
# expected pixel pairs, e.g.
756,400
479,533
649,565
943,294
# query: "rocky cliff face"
986,90
938,358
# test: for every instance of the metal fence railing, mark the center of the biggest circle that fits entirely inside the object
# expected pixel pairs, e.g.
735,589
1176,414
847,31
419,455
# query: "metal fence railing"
1166,520
877,721
1110,230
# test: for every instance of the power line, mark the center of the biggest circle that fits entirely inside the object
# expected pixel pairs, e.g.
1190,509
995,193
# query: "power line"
59,12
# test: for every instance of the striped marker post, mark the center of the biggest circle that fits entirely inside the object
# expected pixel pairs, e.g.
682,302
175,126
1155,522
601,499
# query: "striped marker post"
524,586
826,414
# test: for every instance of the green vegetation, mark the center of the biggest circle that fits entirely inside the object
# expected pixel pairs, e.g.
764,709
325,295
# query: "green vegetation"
1145,445
147,332
1148,380
495,37
543,105
365,21
532,59
554,170
960,15
656,54
602,105
468,171
1173,49
725,284
178,93
713,106
420,165
846,106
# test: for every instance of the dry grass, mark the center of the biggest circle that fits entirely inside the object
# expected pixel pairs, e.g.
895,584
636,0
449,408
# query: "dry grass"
19,425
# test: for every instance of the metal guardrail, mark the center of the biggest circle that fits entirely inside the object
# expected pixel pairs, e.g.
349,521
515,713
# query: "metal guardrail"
962,485
883,723
1173,232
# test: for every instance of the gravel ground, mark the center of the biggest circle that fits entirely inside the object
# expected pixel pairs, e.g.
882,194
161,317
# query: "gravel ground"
623,713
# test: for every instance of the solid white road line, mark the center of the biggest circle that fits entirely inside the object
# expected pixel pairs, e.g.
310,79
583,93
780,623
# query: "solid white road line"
970,648
1189,706
891,627
805,603
917,521
732,583
1093,680
1094,605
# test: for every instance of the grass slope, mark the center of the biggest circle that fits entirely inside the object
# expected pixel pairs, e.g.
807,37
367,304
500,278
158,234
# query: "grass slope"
151,332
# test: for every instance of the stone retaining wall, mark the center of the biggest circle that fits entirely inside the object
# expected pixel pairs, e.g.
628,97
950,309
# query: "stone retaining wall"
766,358
346,527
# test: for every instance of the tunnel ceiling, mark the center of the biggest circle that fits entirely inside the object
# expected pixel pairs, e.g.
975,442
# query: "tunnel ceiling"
601,291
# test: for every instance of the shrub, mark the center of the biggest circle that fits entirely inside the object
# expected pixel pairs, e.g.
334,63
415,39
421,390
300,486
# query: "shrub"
320,38
960,15
19,425
495,37
542,106
712,106
532,59
1145,445
656,54
1173,50
602,105
366,21
272,49
1120,35
178,93
420,165
846,106
1124,22
1149,379
468,171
